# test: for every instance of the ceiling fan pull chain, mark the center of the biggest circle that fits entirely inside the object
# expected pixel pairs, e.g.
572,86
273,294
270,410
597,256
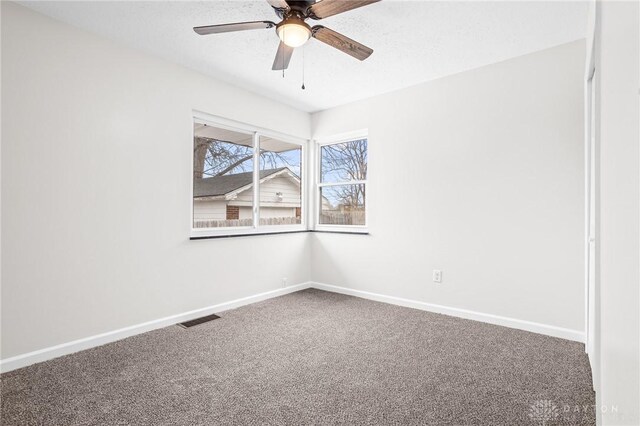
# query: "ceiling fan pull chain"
302,67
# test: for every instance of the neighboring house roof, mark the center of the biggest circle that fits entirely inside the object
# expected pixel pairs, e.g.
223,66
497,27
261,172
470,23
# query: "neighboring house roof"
221,186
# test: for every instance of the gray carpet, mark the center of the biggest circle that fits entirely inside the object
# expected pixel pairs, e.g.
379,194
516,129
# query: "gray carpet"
312,357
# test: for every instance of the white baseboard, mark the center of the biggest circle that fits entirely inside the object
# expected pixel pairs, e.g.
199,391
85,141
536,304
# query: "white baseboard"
534,327
45,354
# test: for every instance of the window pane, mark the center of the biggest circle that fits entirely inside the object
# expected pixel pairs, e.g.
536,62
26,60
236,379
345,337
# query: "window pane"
280,182
342,205
222,177
343,162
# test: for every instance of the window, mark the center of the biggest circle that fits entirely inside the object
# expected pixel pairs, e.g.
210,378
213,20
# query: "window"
342,184
280,182
234,166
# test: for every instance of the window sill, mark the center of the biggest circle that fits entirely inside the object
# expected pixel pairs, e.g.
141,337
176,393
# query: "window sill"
248,234
341,231
254,234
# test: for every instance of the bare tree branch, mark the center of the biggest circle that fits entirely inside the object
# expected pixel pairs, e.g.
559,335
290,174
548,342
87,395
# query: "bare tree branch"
214,157
233,165
346,162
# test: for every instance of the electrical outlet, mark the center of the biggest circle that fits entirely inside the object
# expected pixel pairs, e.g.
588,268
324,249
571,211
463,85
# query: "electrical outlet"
437,276
284,282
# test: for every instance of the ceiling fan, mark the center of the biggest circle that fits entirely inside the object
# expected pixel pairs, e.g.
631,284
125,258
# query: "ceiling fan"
293,31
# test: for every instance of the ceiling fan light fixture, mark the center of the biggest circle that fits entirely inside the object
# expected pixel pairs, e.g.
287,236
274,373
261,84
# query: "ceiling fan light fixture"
293,32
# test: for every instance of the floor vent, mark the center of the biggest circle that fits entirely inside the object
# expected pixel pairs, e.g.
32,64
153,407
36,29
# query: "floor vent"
198,321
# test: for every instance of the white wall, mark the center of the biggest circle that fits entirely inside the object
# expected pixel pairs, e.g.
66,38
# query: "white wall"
99,136
618,114
480,175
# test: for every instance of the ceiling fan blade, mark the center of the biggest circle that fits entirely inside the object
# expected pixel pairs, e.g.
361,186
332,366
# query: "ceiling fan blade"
326,8
341,42
283,56
239,26
278,4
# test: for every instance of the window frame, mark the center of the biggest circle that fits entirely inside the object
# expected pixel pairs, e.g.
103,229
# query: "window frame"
257,132
317,183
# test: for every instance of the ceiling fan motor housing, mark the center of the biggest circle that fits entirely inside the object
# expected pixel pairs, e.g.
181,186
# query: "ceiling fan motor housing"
299,6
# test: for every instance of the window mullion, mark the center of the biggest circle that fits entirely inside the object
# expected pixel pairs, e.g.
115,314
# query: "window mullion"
318,178
256,179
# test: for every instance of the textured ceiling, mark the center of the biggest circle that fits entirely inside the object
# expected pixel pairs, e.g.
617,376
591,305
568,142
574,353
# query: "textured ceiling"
413,41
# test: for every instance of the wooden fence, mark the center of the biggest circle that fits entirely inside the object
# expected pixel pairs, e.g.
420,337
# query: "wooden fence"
326,218
342,218
226,223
